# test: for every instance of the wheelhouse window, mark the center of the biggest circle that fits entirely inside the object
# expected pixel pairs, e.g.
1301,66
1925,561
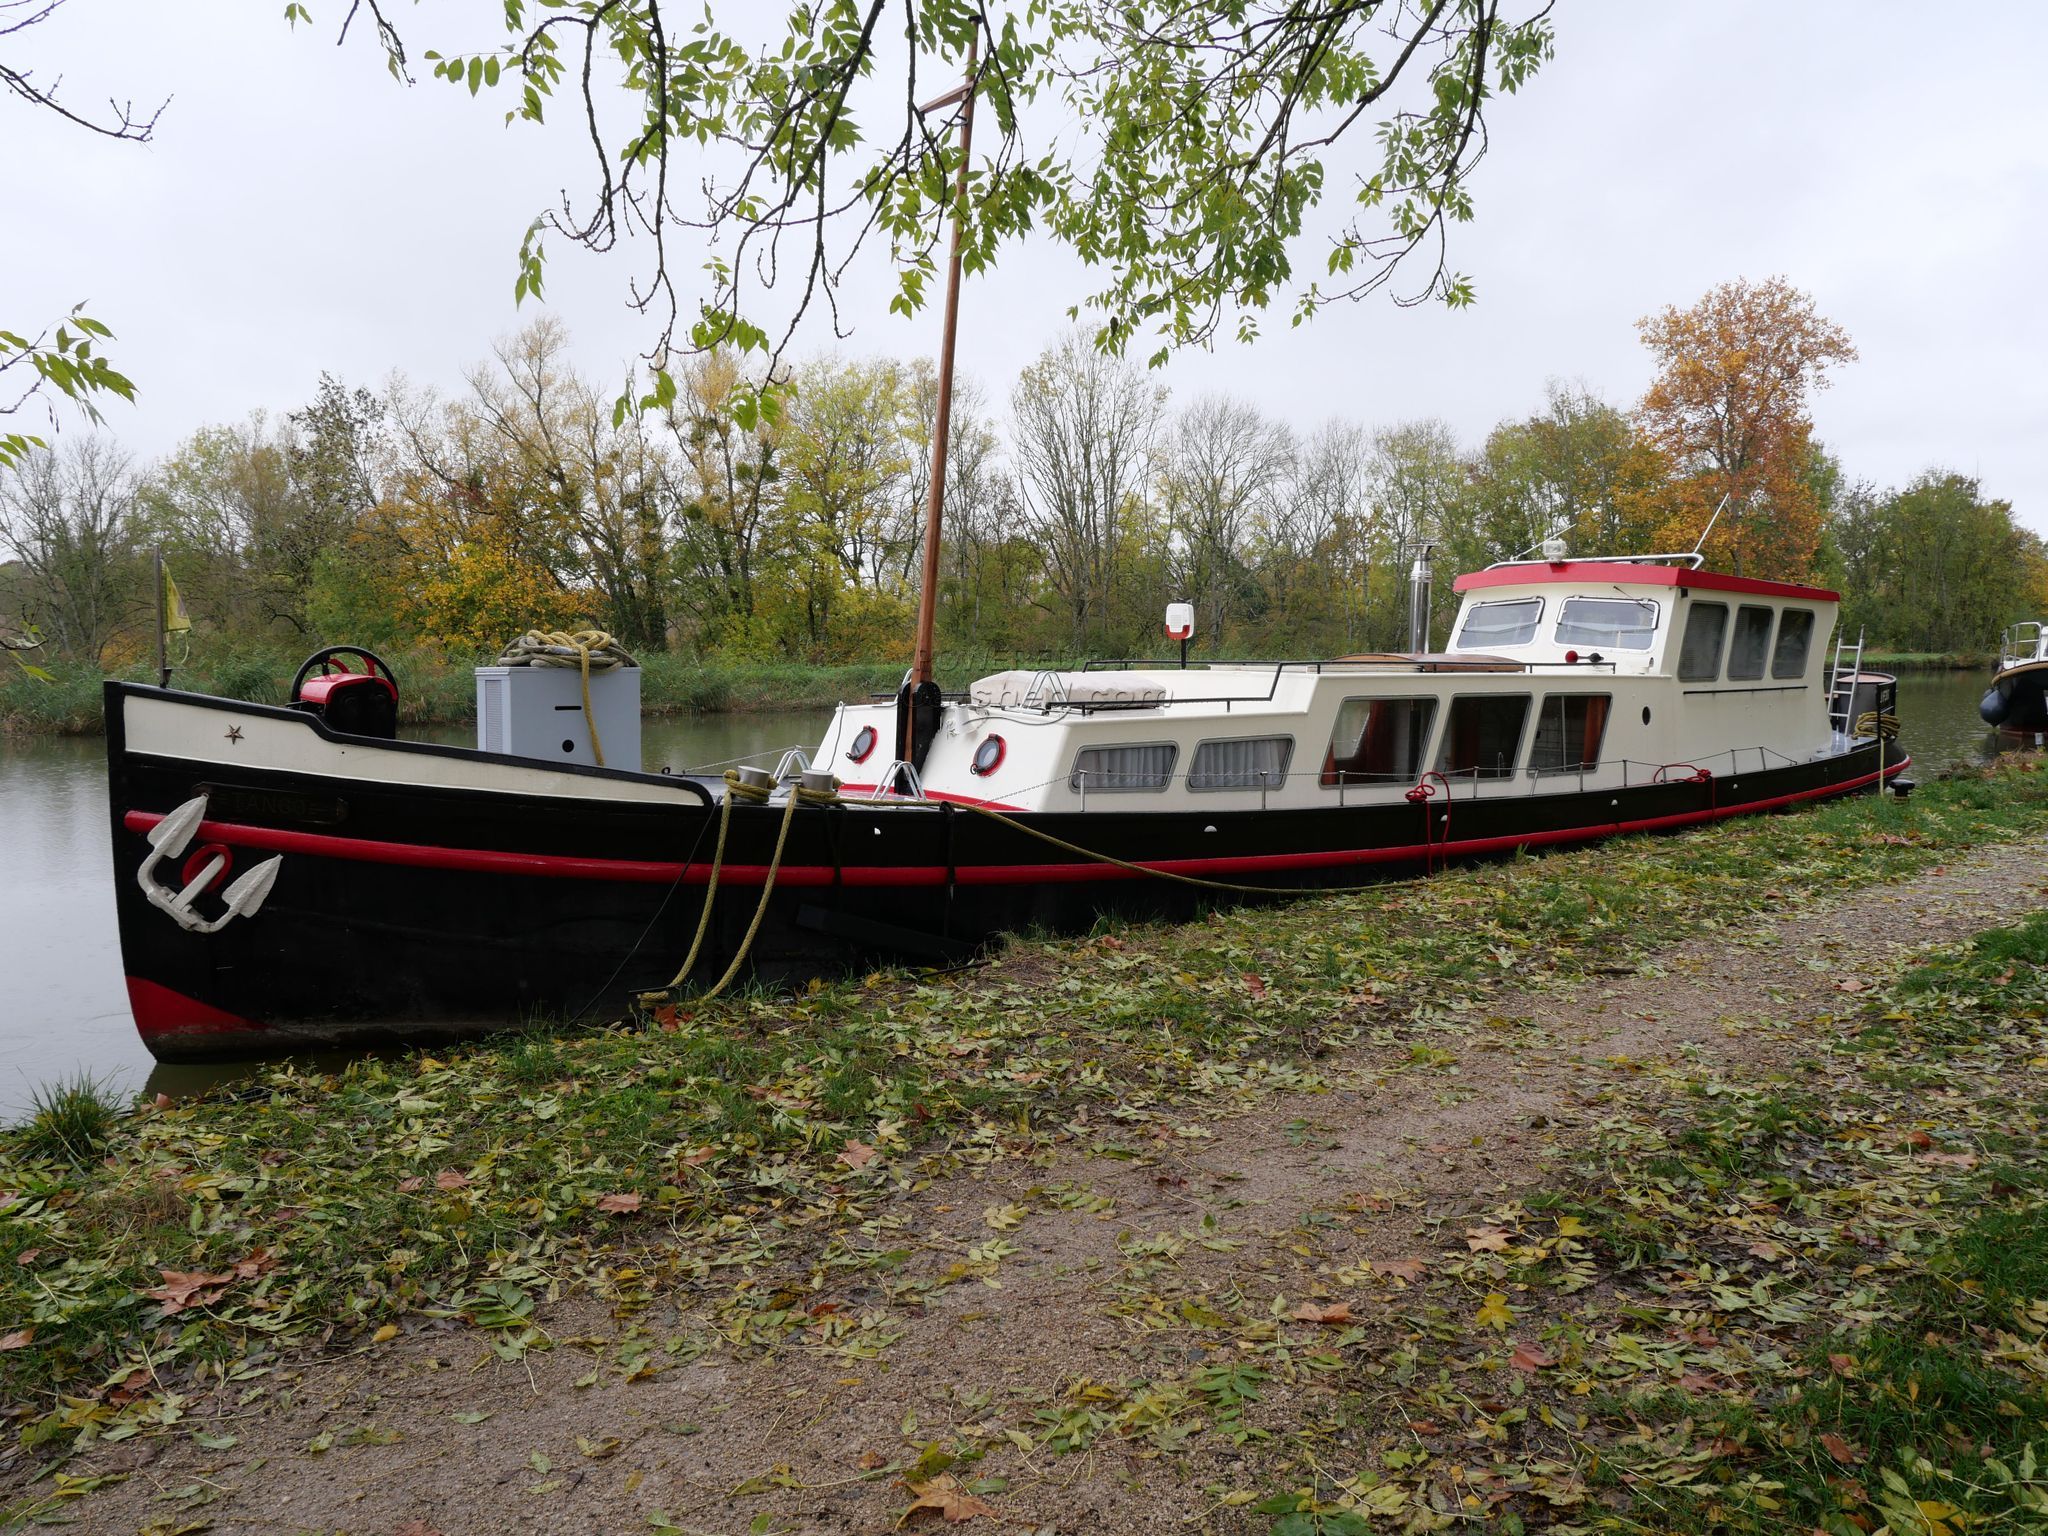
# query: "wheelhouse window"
1699,656
1569,728
1507,623
1795,638
1608,623
1145,767
1249,762
1483,735
1378,741
1752,644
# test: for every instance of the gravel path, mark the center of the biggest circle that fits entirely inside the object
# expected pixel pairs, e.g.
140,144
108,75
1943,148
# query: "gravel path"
1021,1281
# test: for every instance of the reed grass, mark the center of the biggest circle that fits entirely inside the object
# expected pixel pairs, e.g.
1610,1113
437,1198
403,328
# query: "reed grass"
70,1120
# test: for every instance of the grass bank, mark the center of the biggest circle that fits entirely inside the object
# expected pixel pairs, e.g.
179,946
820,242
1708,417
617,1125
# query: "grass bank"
198,1242
1930,661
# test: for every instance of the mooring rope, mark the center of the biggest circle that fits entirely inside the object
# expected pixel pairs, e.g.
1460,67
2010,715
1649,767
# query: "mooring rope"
583,649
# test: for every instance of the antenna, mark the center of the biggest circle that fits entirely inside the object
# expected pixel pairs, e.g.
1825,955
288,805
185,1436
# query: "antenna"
1730,496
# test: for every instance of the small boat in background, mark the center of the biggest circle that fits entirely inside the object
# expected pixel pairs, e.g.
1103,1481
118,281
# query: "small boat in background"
2017,699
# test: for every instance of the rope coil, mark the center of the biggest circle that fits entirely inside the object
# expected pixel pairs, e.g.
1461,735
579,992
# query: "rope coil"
584,649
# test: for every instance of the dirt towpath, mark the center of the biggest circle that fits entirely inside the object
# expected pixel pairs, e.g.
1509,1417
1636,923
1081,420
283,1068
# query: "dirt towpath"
986,1307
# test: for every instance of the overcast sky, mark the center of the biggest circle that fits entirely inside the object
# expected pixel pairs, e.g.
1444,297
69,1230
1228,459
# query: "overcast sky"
299,211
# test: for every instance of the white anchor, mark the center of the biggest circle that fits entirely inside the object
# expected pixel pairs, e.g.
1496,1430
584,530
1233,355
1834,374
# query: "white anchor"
167,840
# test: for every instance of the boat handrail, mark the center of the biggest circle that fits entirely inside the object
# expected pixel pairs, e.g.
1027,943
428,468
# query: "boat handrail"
2023,642
1691,558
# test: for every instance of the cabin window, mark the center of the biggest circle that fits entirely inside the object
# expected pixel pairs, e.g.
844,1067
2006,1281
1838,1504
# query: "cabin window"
1378,741
1795,635
1752,644
1249,762
1699,658
1146,767
1569,727
1509,623
1613,623
1484,735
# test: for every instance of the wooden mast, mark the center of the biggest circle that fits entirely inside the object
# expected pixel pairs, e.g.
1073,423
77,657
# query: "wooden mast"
921,681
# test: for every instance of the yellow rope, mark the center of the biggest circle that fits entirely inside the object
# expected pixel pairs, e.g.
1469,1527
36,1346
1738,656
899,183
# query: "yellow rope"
1872,723
582,649
737,788
1169,874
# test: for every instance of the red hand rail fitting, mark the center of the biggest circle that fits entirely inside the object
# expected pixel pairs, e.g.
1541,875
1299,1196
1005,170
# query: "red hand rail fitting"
1421,795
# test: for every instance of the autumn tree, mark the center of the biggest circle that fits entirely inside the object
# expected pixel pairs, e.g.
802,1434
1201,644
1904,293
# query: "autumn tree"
1578,469
727,496
1936,566
68,515
1418,486
1224,472
1728,409
1083,429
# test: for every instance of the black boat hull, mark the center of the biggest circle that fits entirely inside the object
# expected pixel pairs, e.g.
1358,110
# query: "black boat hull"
2018,699
406,911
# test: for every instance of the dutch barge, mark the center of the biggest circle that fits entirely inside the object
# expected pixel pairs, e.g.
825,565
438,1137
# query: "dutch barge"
296,876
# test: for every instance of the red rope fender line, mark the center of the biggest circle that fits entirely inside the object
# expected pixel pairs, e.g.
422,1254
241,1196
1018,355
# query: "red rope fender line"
1422,794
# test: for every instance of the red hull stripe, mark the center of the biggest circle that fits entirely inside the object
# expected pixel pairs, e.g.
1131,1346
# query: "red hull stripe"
554,866
160,1011
1625,574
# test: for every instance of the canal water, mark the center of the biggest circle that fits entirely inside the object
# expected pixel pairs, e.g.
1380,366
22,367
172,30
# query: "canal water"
63,1010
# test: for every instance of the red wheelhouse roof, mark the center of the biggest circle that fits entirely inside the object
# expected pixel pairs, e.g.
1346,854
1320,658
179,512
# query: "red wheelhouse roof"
1628,574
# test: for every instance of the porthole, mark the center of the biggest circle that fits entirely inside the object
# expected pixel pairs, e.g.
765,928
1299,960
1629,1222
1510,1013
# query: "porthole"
988,757
1646,714
863,745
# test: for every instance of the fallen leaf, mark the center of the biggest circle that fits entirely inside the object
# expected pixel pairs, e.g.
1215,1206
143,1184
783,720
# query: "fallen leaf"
944,1496
184,1288
856,1154
1840,1449
869,1460
1949,1159
1571,1226
1849,984
1314,1312
385,1334
1487,1240
407,1186
1255,983
1919,1140
260,1261
697,1157
1529,1357
28,1256
1494,1312
449,1178
1408,1270
21,1338
619,1204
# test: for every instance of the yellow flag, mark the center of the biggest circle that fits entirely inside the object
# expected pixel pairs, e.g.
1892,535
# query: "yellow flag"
176,621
